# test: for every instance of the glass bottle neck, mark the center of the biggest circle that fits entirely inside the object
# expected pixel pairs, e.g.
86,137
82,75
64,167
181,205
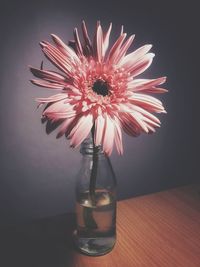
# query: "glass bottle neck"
88,148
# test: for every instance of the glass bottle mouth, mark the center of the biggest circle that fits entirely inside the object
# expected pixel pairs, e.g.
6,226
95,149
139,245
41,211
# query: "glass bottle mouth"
88,148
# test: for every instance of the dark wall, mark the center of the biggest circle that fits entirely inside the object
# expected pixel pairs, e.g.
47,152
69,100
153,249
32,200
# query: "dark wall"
37,171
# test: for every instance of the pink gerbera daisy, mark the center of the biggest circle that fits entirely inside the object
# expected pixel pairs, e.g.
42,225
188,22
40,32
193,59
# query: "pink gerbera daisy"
99,89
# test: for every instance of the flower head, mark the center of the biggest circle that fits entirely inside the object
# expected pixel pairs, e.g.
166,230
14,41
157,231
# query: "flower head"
98,88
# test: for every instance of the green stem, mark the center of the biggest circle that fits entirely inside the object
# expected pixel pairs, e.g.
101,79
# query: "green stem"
93,176
89,220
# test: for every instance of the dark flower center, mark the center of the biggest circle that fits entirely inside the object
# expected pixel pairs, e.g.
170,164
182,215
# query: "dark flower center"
100,87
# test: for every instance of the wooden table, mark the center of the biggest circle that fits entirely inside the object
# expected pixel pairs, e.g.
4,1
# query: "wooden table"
161,229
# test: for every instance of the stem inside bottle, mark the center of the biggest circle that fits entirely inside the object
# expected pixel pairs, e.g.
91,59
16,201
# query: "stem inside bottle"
96,202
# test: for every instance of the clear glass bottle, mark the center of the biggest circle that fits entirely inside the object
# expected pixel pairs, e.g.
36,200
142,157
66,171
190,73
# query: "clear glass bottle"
95,202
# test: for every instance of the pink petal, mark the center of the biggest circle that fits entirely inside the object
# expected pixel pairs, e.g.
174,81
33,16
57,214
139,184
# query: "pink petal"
138,84
72,44
115,48
85,34
72,125
59,106
48,75
130,59
108,138
59,115
145,97
99,129
139,120
98,44
81,130
122,30
150,122
58,59
134,116
151,129
75,90
106,39
146,114
124,49
60,110
141,65
147,102
118,137
46,84
64,126
53,98
128,124
86,38
65,49
77,42
147,85
155,90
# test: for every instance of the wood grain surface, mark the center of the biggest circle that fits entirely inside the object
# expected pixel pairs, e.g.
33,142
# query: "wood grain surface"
161,229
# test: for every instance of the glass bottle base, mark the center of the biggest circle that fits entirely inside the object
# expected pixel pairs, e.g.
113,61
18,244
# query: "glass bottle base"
94,246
